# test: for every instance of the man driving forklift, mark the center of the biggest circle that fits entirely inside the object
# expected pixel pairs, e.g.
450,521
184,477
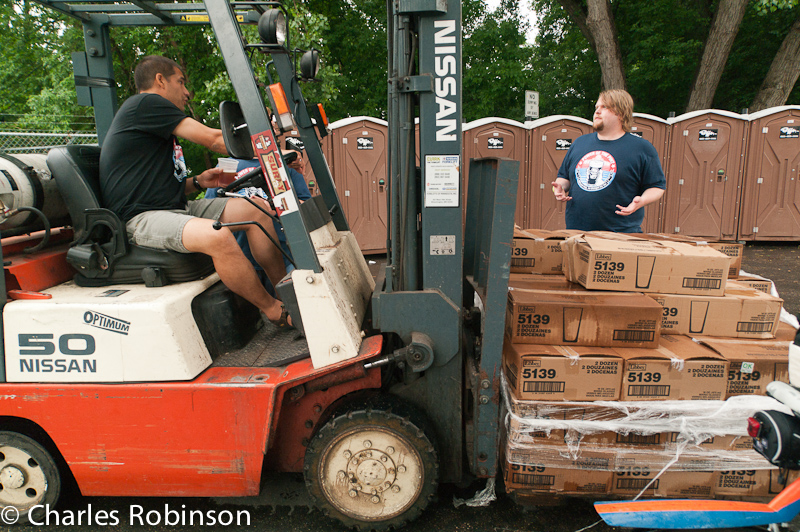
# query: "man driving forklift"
144,180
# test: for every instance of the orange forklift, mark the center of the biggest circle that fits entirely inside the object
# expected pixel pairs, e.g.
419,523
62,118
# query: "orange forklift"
128,371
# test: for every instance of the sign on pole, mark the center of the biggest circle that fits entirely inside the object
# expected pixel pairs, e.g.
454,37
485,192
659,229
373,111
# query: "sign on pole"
531,104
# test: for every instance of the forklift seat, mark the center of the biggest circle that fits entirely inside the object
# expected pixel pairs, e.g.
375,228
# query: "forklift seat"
101,251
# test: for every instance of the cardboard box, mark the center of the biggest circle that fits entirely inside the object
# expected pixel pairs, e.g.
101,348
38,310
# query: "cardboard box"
521,432
634,473
624,263
538,251
753,363
777,482
756,283
741,313
556,480
785,332
603,319
679,369
744,482
734,250
536,281
578,373
565,410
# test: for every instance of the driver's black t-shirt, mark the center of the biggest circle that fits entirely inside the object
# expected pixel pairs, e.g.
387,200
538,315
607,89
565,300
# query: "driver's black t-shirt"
141,163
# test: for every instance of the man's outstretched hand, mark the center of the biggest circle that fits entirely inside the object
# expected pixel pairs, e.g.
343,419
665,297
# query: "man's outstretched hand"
559,192
630,209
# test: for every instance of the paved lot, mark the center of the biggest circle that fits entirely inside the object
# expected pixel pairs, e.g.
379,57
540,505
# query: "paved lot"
781,263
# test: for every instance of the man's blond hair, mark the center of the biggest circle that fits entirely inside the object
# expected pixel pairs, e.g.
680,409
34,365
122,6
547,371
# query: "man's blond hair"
620,103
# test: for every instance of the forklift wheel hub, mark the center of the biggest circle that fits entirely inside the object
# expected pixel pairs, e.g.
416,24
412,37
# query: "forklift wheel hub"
11,477
383,473
22,478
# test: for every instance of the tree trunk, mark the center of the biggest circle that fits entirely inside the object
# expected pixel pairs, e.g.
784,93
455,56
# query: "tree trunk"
598,27
718,46
601,23
783,73
578,16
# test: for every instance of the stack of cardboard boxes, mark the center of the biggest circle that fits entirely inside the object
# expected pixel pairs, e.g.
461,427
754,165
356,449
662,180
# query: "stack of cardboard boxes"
630,358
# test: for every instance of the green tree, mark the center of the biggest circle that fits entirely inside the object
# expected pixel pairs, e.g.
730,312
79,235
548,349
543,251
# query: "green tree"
785,68
498,63
566,69
35,68
355,47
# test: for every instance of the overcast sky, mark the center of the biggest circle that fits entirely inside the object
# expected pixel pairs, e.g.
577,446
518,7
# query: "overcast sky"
525,11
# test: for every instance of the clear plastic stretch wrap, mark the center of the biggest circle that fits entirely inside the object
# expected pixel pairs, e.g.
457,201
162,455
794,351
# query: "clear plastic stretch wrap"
659,435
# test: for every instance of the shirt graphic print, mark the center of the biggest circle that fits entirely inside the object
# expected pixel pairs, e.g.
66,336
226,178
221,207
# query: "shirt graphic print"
595,171
178,161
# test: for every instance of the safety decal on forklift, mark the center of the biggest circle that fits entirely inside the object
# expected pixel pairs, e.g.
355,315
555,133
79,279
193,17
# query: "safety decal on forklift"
278,183
113,293
107,323
443,244
442,179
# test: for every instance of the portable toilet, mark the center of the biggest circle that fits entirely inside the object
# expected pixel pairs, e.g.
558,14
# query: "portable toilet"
704,174
498,137
359,147
771,189
548,141
656,131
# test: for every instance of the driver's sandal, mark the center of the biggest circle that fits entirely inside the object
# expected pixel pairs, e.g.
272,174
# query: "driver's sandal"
283,321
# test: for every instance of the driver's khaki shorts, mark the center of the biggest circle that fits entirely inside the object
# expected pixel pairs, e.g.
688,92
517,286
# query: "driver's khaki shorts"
164,229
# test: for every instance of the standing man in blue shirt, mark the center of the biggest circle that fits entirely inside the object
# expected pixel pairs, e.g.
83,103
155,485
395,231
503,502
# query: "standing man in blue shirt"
608,176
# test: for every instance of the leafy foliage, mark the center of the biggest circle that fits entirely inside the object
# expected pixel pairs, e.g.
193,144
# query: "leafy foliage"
35,71
661,42
498,63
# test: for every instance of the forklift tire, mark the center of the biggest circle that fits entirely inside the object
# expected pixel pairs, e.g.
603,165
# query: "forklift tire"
372,467
28,477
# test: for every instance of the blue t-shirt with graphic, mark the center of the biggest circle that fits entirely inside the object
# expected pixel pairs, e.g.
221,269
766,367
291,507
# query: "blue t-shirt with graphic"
607,173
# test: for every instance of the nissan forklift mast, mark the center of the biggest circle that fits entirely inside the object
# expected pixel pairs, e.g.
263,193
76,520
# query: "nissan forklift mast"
421,300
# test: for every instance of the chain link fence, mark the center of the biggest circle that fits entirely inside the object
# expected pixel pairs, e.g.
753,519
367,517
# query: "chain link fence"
38,142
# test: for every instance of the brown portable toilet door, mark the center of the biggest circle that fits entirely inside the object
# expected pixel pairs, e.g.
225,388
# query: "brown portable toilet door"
655,130
771,190
549,141
498,137
360,158
704,174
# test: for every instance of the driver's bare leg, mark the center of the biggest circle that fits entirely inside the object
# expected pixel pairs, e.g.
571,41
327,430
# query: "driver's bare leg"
264,251
233,268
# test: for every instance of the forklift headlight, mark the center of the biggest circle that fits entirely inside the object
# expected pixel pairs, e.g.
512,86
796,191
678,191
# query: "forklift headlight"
272,27
309,64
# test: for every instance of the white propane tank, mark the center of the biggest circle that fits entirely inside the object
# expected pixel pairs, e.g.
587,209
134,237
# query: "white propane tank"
25,181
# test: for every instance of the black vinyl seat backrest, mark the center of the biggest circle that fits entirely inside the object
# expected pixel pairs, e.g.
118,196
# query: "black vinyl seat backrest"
77,173
101,252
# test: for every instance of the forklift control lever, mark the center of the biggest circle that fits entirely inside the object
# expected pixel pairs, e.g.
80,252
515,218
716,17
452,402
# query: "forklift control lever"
248,179
219,225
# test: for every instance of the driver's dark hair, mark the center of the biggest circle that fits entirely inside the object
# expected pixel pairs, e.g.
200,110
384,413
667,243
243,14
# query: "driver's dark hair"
145,73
